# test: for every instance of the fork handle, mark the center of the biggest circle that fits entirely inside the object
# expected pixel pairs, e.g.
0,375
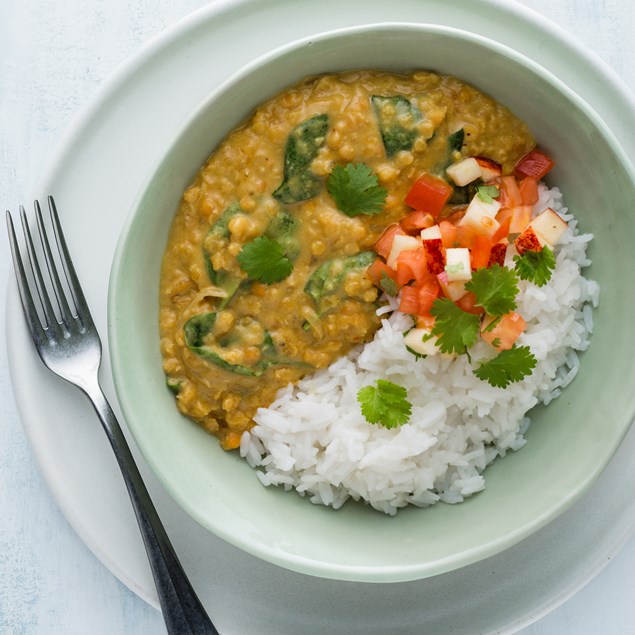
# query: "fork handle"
182,610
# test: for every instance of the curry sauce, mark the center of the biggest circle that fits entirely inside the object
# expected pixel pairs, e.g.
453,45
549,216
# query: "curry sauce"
230,340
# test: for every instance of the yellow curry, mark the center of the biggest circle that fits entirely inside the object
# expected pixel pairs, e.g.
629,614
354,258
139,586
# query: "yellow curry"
264,277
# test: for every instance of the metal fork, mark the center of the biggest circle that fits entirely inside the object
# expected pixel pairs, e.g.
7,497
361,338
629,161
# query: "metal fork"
69,345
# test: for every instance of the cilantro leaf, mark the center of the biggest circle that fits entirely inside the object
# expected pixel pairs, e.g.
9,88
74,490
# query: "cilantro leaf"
536,266
507,367
388,285
487,193
355,190
495,288
386,403
263,259
455,329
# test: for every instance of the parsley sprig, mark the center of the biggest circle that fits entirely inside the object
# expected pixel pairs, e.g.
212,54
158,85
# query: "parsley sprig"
495,288
508,366
385,403
536,266
263,259
356,190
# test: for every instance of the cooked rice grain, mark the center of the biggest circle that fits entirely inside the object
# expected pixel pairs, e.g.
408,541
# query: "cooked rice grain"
314,439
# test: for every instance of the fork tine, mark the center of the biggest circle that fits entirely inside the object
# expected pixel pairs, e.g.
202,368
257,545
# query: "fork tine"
83,311
30,312
52,326
65,309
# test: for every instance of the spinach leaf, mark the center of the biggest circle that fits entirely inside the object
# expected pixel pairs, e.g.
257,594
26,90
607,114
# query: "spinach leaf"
397,118
303,144
283,228
200,340
455,141
325,283
226,280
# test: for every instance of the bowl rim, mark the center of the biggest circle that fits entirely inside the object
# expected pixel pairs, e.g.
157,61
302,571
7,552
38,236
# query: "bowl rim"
307,565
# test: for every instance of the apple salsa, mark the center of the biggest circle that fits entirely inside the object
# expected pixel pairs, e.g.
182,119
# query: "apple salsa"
334,191
447,264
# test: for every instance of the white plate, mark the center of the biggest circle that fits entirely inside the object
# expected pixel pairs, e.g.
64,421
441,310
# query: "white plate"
95,176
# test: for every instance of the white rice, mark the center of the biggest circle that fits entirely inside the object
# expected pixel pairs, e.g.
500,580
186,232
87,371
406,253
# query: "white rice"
314,439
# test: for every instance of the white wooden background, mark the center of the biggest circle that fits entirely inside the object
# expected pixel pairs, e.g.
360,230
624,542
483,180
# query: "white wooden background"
52,57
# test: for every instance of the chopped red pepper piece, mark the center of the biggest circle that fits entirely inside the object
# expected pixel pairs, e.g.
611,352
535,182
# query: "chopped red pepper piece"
429,194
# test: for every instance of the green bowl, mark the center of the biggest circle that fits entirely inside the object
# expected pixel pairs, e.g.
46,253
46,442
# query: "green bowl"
569,442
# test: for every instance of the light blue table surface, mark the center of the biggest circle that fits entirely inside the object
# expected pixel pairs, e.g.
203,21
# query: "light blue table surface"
52,58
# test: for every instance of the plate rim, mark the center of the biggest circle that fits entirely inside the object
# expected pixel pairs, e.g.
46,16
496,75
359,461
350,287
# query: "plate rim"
330,568
127,68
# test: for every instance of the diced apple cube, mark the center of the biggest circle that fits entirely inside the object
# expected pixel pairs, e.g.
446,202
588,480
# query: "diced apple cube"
457,264
549,226
433,248
487,227
498,253
401,242
421,341
489,168
452,290
478,210
529,240
431,233
465,171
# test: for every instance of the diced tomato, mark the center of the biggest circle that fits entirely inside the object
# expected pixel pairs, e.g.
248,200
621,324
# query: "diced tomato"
520,218
411,265
456,235
503,230
535,164
414,222
504,332
468,304
384,244
417,299
377,270
528,189
504,214
464,237
448,233
453,290
429,194
409,302
480,252
509,192
428,293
